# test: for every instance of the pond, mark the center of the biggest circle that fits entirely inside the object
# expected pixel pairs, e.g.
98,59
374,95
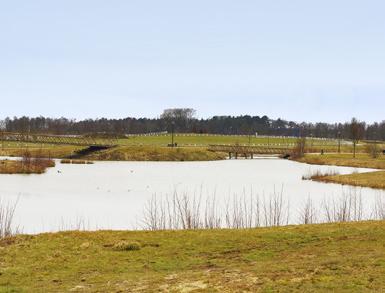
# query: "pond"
113,195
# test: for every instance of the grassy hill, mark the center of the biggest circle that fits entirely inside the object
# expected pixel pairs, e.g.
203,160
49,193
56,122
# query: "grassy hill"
346,257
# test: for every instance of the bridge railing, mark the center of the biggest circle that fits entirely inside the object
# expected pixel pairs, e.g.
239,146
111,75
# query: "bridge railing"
249,149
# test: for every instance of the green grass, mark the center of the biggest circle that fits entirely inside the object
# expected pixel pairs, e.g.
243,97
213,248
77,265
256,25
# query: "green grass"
47,150
315,258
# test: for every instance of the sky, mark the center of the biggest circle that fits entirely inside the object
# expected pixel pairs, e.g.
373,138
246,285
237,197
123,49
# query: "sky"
301,60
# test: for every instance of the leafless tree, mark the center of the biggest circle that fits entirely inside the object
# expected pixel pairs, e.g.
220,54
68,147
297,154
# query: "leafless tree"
299,149
2,131
357,130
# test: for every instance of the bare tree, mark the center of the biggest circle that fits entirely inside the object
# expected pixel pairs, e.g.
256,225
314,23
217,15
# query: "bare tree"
180,117
2,130
357,130
300,147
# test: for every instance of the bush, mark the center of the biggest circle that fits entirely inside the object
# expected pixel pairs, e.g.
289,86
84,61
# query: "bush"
373,150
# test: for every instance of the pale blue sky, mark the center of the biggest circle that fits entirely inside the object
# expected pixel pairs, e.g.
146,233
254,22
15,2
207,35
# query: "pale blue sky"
308,60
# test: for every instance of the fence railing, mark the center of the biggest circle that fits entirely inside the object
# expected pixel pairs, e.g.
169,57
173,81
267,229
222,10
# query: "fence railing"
57,139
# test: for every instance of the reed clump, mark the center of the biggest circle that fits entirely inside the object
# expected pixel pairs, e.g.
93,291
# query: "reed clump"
79,162
7,212
183,212
318,174
27,165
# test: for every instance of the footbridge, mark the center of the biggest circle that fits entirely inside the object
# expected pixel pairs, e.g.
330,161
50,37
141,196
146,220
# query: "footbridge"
248,151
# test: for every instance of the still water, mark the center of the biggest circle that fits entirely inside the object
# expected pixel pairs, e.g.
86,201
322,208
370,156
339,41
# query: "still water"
112,195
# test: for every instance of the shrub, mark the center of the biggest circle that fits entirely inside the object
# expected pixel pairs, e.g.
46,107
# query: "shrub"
373,150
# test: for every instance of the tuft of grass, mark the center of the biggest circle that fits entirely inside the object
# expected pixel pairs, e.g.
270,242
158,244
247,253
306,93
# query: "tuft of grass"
7,212
318,174
124,245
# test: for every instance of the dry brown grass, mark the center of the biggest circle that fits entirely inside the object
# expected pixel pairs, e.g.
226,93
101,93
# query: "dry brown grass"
319,174
361,160
370,179
35,166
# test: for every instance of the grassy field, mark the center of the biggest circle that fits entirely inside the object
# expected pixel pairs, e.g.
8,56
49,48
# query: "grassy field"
195,142
191,147
47,150
204,140
346,257
370,179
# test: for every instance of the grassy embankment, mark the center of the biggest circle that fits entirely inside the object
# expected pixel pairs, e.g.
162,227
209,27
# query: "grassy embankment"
155,153
347,257
369,179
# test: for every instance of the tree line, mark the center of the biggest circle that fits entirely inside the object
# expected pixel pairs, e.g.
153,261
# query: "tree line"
184,121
